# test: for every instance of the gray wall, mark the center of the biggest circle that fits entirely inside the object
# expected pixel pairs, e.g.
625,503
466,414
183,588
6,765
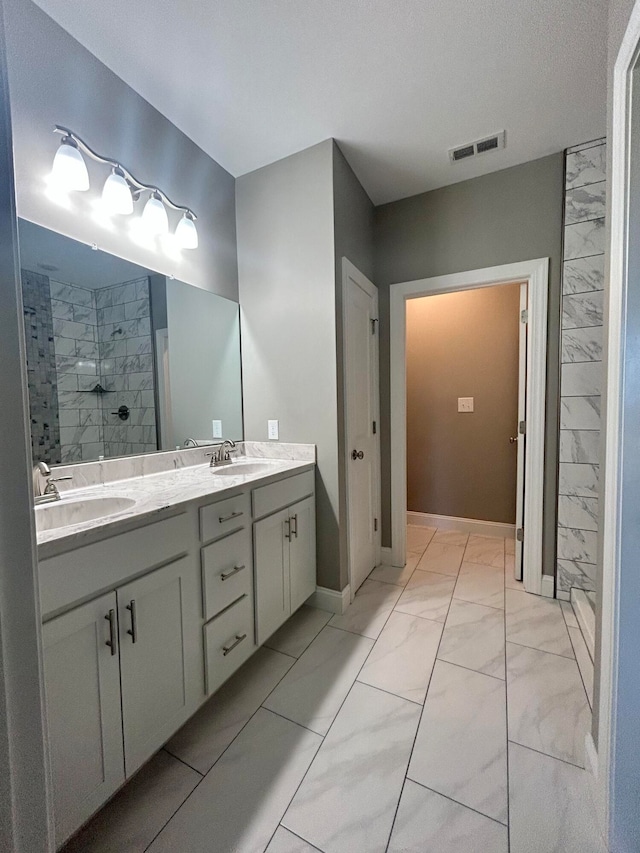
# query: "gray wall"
24,825
54,80
353,214
286,265
501,218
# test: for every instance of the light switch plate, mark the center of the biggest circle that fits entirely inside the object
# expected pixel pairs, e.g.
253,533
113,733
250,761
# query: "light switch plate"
272,430
465,404
217,429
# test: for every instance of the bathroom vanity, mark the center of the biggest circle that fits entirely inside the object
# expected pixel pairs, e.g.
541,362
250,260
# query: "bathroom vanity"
154,590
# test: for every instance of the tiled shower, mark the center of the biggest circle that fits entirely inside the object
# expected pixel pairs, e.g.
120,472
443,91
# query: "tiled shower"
89,352
581,377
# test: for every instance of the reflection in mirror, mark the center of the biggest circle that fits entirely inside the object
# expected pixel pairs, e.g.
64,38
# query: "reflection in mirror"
122,360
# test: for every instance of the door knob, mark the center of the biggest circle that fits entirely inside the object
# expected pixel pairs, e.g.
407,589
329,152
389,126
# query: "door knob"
357,454
513,439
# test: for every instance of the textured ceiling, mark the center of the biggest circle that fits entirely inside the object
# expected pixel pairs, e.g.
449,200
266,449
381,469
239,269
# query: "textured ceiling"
396,82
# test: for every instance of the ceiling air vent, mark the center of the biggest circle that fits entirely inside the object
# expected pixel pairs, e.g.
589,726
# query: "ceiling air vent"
480,146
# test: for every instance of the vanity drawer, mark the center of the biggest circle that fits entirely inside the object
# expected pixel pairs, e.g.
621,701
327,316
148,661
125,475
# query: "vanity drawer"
226,571
228,642
218,519
268,499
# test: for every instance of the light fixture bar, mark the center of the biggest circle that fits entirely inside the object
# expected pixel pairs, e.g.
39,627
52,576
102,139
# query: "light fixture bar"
135,183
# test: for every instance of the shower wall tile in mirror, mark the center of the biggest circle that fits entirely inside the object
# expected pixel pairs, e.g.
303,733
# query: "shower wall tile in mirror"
91,323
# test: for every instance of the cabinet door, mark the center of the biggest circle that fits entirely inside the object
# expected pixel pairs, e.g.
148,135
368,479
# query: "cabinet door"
302,551
160,657
82,688
271,567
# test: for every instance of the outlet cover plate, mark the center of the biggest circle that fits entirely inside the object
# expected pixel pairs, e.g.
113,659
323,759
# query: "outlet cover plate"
272,430
465,404
217,429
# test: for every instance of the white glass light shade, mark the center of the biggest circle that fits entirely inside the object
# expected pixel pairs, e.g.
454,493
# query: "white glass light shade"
154,216
116,195
187,233
69,170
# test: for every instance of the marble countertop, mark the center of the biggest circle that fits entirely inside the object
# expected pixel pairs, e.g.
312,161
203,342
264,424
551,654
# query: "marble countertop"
155,495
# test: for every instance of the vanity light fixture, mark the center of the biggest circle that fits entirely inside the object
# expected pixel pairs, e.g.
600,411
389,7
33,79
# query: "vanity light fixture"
186,232
116,194
154,216
121,190
69,170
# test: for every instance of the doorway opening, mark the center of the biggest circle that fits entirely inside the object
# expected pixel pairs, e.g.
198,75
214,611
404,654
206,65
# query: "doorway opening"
466,429
532,352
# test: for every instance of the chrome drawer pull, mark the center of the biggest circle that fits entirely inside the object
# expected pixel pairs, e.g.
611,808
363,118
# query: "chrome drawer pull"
111,642
234,571
223,518
133,631
294,531
237,641
287,535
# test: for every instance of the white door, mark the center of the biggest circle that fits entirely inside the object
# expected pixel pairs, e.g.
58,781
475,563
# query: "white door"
360,335
520,435
160,669
82,688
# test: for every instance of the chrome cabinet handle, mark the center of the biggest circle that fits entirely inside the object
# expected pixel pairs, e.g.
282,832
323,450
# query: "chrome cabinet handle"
239,638
294,531
112,642
234,571
287,534
133,631
357,454
223,518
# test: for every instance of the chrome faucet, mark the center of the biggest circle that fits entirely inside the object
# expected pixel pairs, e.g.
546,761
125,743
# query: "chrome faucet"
49,492
222,456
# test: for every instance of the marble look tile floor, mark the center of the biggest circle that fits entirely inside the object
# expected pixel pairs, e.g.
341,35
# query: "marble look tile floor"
445,710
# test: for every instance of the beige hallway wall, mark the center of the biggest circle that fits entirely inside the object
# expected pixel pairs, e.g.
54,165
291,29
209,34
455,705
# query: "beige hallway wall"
463,345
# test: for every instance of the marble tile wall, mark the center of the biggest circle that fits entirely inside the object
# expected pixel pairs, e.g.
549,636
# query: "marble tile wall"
581,371
75,338
126,367
41,368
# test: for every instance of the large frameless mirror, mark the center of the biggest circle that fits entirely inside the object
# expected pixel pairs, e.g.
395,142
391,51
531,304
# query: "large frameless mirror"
120,359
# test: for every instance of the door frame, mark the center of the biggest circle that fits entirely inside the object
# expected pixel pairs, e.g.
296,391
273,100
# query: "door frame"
535,273
349,270
622,267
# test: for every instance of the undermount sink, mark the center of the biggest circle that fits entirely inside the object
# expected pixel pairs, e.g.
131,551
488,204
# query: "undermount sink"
64,513
237,469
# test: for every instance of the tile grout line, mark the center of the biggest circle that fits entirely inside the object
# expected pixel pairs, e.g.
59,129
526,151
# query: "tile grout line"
543,651
458,803
164,825
181,760
547,755
424,705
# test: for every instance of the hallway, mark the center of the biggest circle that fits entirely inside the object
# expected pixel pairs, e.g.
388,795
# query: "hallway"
391,727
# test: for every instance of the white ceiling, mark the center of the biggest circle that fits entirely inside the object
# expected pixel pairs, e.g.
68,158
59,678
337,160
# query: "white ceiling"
396,82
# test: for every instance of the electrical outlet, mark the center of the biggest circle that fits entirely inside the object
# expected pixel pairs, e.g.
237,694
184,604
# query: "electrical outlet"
272,429
465,404
217,429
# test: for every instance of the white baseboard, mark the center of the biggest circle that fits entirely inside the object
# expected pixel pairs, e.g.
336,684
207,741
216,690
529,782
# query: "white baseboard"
591,754
465,525
586,618
330,599
386,557
548,586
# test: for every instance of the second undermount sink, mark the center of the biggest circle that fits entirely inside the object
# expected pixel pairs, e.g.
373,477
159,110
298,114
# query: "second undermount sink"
64,513
239,469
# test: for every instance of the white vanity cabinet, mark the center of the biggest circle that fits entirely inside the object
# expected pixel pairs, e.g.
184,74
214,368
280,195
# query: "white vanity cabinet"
284,544
82,683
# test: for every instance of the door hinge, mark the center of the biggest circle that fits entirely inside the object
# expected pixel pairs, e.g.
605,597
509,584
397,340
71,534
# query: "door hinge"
520,534
374,320
375,427
375,525
524,316
522,427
